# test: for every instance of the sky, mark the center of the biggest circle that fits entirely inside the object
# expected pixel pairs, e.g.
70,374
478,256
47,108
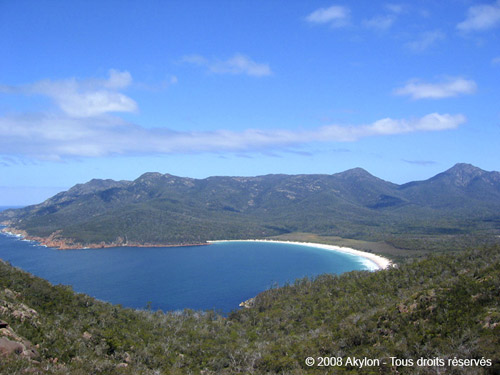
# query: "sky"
114,89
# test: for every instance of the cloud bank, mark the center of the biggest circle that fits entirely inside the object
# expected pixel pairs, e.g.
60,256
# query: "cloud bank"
449,88
85,124
55,137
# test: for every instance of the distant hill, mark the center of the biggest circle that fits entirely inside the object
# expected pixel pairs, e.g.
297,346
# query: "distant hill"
164,209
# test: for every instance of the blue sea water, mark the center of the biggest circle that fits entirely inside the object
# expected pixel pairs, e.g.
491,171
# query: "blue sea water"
218,276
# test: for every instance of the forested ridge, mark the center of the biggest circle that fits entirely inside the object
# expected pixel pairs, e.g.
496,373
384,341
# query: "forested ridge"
461,204
443,306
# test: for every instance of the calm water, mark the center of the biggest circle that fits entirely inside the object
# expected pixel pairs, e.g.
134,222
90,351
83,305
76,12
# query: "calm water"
218,276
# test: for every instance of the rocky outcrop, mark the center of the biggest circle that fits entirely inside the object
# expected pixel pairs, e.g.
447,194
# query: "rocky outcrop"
249,303
54,240
13,344
17,310
21,348
10,342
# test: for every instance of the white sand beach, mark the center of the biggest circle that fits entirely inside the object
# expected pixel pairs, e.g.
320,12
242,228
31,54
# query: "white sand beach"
373,262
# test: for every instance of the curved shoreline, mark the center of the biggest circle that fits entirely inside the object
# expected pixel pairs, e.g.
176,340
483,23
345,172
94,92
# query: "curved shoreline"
379,261
372,259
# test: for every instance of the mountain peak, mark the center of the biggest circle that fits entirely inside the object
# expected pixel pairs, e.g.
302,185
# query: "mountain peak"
465,168
462,174
149,176
355,172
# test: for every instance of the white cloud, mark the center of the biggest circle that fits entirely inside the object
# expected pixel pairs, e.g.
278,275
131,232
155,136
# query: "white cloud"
385,22
426,40
59,136
237,64
388,126
117,80
335,16
449,88
395,8
86,98
240,64
195,59
380,22
88,103
496,61
481,17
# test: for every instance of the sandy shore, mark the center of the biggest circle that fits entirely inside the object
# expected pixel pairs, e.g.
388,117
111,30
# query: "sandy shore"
372,261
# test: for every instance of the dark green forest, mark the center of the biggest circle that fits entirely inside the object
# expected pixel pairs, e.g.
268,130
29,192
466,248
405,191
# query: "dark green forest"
443,306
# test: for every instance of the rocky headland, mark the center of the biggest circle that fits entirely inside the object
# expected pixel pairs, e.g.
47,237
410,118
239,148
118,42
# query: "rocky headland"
62,243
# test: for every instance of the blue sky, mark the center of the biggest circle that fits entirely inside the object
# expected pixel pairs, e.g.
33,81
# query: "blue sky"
113,89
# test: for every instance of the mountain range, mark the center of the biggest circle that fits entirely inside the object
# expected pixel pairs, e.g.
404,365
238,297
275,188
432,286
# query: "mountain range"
161,209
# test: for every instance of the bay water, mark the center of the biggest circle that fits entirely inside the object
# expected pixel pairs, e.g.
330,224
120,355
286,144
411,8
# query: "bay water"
218,276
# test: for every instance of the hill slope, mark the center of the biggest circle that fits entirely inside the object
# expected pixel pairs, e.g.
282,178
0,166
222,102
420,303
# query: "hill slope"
164,209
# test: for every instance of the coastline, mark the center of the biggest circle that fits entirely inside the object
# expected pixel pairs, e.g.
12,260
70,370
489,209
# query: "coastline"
373,261
56,242
379,261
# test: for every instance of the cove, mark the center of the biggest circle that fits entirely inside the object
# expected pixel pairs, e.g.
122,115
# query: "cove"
217,276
